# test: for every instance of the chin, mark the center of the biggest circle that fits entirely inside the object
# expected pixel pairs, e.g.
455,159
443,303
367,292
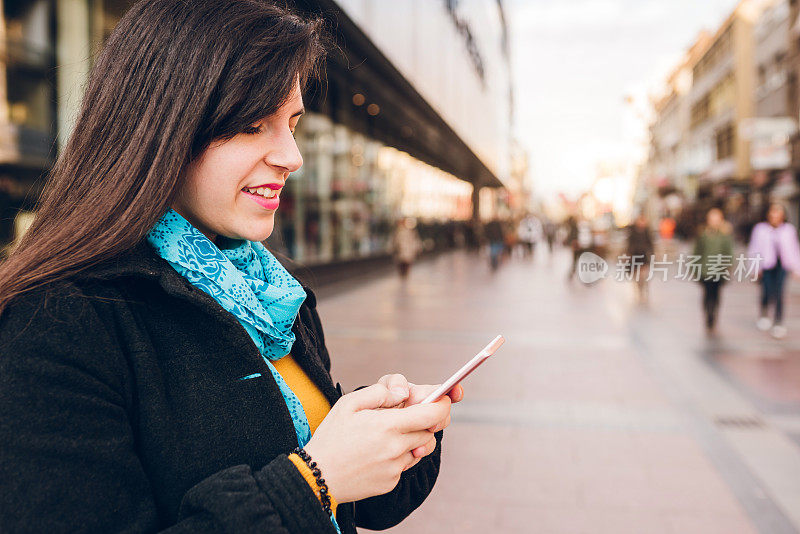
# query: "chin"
250,228
262,232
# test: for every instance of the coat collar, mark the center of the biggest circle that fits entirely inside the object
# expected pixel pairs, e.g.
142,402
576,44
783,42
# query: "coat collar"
143,261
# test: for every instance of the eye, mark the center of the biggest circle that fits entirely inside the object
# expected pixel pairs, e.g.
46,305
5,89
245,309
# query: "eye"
252,130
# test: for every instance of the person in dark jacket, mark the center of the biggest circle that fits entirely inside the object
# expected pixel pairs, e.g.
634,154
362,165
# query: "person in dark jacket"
580,239
495,236
160,371
640,251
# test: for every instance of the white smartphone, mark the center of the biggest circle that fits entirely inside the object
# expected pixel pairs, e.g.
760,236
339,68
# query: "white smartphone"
462,373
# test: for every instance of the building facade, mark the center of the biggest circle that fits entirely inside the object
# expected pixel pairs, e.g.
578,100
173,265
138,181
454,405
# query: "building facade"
670,169
741,148
771,130
793,81
721,98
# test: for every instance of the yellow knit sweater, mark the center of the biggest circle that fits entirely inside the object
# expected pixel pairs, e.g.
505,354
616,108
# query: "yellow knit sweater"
314,404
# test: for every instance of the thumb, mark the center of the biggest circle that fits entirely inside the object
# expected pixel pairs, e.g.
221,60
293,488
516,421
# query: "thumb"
372,397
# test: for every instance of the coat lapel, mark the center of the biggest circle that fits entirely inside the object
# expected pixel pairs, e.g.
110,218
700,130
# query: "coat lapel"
143,261
303,353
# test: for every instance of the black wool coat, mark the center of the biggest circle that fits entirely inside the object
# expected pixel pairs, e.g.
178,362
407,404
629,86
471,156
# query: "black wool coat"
121,411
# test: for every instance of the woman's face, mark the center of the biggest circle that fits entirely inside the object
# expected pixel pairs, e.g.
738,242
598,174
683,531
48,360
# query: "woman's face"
714,219
213,196
775,215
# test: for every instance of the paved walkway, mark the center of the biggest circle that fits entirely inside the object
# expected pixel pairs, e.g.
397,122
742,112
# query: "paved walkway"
598,415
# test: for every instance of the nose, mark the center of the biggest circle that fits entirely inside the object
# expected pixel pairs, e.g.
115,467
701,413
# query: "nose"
285,155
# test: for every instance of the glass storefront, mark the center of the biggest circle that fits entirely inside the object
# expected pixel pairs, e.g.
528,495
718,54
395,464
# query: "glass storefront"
343,204
29,83
27,110
345,200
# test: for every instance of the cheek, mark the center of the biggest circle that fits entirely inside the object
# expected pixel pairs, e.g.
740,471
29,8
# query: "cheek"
232,160
213,190
227,167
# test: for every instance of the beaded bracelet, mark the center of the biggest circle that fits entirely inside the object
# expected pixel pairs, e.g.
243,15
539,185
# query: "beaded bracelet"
323,488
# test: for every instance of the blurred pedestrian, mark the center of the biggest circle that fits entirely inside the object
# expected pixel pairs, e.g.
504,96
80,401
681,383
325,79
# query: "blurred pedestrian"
600,239
550,234
509,237
580,239
775,242
529,233
639,247
495,236
406,245
666,233
714,250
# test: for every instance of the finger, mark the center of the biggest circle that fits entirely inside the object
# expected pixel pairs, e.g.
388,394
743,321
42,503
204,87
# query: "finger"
407,401
415,462
410,461
415,440
425,449
397,384
370,398
419,392
441,425
456,394
420,416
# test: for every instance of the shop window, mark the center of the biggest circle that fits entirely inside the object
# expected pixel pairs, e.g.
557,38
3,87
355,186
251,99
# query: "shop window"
725,138
30,78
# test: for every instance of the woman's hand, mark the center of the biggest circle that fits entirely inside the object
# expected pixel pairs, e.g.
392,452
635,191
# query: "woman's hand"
415,394
398,385
362,449
418,393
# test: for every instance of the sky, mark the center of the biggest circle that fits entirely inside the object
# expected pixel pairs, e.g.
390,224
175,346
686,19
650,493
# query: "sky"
574,62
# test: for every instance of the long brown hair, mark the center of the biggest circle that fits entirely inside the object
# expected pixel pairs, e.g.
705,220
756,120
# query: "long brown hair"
174,76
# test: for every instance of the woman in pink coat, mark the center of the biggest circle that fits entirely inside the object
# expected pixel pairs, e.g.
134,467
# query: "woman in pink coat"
775,242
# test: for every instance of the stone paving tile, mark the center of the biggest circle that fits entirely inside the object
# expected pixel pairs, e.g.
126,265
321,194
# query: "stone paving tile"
772,376
566,429
705,523
445,517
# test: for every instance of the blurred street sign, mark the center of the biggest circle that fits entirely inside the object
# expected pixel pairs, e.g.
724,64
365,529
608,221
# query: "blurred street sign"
769,141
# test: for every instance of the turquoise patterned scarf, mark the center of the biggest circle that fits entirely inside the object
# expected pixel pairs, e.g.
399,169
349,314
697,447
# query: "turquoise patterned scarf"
247,280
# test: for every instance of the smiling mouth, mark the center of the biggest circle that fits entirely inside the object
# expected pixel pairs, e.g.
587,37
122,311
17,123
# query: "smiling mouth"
262,191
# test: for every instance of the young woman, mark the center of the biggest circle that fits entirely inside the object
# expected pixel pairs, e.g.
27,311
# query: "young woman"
775,242
714,250
406,245
159,369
